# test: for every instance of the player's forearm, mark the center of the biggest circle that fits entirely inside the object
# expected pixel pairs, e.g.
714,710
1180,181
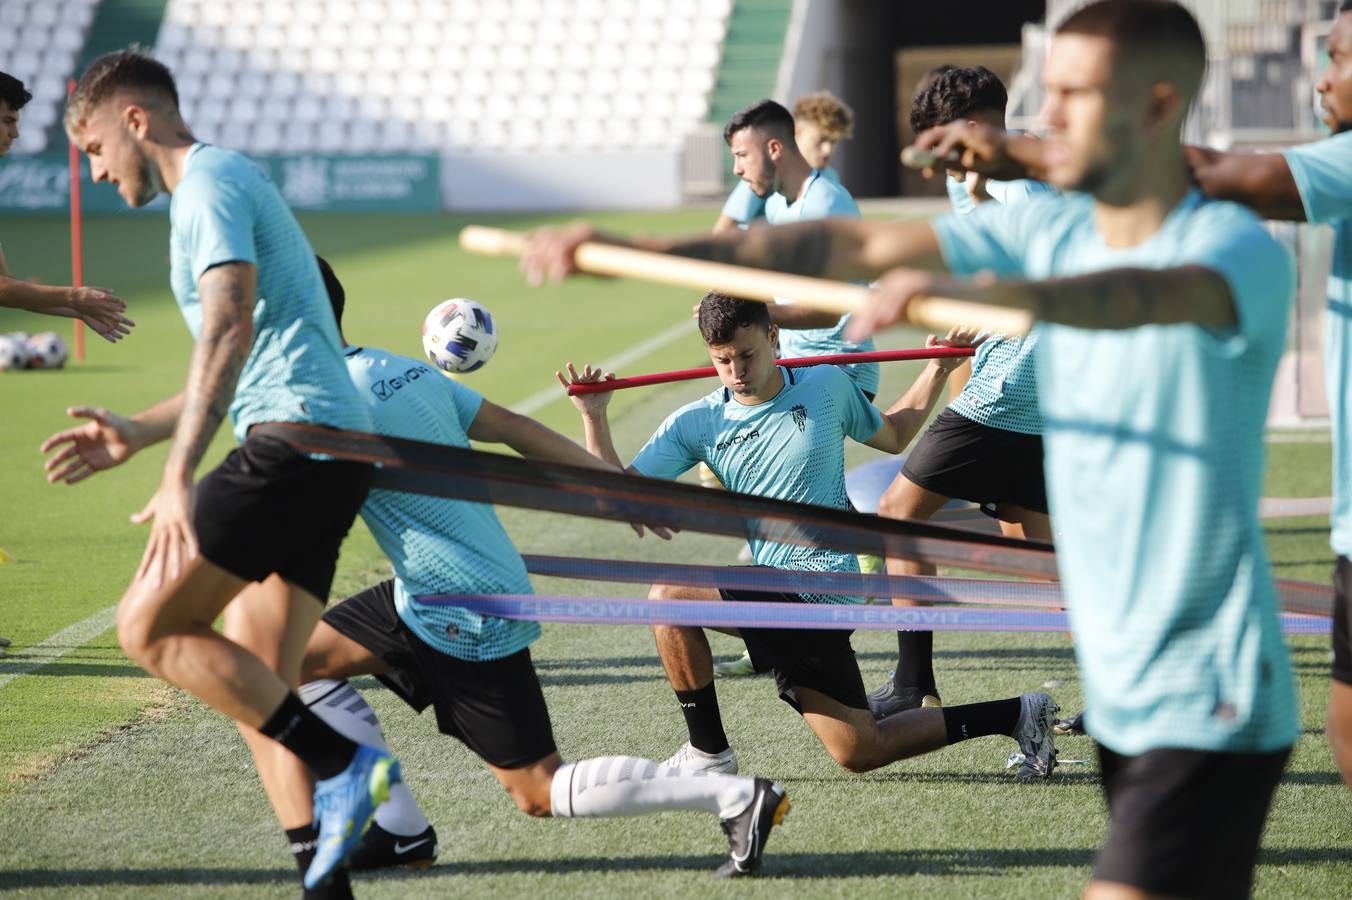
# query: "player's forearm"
1114,299
600,443
158,422
1262,181
15,293
829,248
908,415
227,295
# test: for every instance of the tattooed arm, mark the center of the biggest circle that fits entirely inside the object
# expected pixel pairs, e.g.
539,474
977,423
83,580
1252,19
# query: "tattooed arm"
831,248
227,295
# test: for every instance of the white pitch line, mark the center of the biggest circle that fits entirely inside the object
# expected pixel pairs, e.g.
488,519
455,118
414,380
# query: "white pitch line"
58,645
67,640
540,399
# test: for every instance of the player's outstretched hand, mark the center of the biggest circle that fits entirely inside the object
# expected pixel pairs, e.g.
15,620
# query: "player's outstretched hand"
101,443
587,404
958,336
991,151
549,252
101,310
173,541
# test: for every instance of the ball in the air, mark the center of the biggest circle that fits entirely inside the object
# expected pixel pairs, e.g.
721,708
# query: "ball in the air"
13,353
459,335
47,351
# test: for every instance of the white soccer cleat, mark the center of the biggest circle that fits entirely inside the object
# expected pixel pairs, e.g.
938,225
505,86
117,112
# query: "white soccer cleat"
692,759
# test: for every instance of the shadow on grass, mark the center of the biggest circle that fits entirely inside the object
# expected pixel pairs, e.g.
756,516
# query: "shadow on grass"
990,862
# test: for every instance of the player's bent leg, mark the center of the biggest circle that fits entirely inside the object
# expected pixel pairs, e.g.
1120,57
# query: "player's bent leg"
748,808
689,665
860,743
912,684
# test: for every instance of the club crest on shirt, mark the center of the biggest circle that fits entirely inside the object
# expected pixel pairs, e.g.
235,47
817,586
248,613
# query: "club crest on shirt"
799,412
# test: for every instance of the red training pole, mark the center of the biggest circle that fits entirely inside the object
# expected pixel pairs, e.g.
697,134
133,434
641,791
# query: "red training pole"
76,233
616,384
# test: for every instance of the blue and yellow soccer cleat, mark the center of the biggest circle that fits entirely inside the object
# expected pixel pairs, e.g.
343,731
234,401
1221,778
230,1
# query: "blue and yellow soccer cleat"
344,805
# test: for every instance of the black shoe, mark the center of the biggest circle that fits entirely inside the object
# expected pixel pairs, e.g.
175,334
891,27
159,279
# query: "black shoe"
886,700
749,830
1073,725
380,849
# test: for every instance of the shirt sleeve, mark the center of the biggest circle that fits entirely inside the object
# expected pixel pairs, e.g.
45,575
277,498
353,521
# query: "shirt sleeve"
1258,268
670,452
467,401
825,200
1323,174
860,419
743,205
215,216
988,240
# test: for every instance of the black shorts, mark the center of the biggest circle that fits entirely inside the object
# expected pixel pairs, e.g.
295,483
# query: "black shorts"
1342,621
957,457
1186,823
494,707
269,508
822,660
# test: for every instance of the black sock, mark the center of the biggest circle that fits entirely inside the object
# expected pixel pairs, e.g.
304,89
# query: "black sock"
981,719
702,719
303,841
302,732
915,662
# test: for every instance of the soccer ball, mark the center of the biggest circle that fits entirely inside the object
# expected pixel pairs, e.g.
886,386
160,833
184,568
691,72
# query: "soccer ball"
459,335
13,354
47,351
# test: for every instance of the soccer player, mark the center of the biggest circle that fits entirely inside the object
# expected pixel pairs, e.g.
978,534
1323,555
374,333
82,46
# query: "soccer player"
764,142
100,309
821,121
475,671
986,446
1313,183
1162,318
263,529
776,432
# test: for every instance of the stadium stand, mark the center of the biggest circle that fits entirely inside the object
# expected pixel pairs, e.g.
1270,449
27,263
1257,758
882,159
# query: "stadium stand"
517,76
43,52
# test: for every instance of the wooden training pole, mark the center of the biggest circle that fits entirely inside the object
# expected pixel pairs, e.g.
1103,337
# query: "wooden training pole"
936,313
76,234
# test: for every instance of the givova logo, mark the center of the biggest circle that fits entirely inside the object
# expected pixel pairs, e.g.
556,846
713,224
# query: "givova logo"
738,439
384,389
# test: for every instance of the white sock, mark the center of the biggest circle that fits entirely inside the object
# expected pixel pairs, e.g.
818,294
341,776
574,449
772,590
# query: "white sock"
628,786
346,711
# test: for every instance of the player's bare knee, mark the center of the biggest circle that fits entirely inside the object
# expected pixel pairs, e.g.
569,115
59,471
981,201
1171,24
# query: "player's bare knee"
661,592
533,799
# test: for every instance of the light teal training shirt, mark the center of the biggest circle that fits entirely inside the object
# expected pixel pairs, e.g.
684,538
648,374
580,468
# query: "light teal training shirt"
1323,174
226,209
1155,456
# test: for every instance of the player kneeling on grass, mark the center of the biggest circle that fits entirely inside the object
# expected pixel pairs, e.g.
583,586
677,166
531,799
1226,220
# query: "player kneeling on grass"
475,671
777,432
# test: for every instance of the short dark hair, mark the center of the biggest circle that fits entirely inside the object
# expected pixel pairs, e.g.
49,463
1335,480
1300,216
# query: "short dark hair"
720,316
12,92
950,93
337,296
767,115
130,69
1345,6
1139,29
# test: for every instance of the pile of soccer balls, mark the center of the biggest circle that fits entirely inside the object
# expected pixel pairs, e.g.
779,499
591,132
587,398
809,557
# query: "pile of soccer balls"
459,335
19,350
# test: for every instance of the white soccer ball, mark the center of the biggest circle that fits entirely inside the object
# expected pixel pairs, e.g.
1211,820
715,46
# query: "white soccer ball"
47,351
13,354
459,335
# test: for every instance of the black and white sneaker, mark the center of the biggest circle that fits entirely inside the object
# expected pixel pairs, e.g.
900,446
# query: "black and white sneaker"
379,849
749,830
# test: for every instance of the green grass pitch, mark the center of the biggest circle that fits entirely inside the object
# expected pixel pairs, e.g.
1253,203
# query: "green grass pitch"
113,785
